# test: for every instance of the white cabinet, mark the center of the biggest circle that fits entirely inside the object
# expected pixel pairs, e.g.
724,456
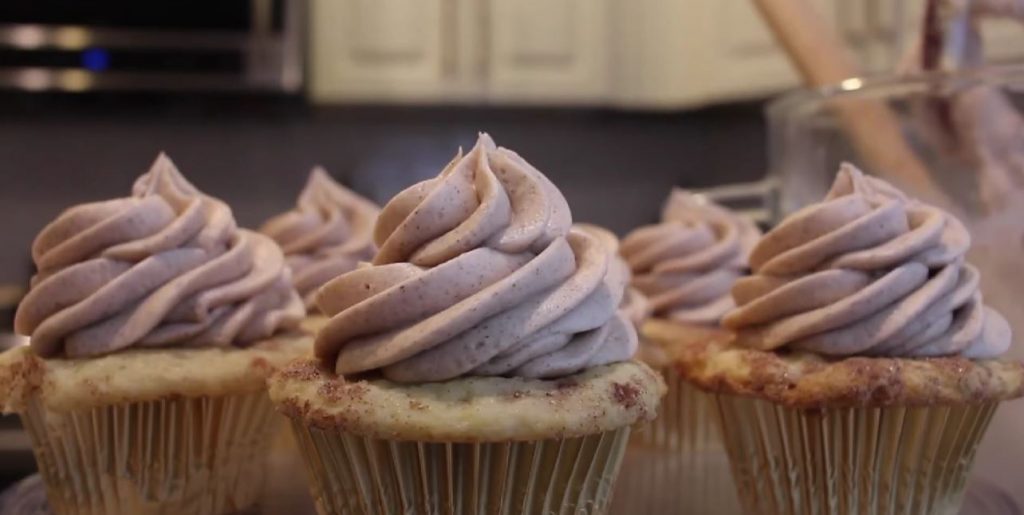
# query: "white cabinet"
652,54
1002,39
391,50
547,50
534,51
678,54
743,60
646,54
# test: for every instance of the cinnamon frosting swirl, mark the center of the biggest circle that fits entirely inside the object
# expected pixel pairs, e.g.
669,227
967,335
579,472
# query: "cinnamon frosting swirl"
166,266
477,273
687,264
327,234
867,271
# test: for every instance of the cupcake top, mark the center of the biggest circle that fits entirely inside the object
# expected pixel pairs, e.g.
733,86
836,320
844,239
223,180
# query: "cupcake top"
812,381
166,266
473,409
867,271
142,375
687,264
327,234
477,273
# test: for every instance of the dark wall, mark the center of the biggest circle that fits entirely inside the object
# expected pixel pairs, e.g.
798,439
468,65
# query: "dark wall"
615,168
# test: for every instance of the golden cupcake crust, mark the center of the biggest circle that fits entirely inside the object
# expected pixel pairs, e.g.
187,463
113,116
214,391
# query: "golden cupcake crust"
470,409
313,322
658,336
142,375
805,380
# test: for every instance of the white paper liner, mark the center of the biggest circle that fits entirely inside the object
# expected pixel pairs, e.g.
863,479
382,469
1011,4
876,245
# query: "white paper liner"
870,461
677,463
358,475
196,456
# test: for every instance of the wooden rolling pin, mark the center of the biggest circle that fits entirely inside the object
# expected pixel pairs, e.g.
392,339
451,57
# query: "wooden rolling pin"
822,59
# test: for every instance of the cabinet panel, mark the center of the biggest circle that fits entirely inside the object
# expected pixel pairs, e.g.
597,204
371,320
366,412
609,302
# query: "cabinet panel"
747,60
392,32
378,48
547,50
1003,39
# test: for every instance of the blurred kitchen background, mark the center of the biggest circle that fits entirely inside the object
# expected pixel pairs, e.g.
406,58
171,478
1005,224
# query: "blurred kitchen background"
615,100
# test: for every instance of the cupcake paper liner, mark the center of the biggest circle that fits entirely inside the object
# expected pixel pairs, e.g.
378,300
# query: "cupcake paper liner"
891,460
200,456
287,489
677,463
361,475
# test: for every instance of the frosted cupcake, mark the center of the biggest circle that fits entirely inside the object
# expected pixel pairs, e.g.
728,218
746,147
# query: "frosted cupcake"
154,322
327,234
685,266
480,365
864,371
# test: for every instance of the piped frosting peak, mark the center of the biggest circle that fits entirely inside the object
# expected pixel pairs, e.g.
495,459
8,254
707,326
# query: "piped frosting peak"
166,266
478,273
867,271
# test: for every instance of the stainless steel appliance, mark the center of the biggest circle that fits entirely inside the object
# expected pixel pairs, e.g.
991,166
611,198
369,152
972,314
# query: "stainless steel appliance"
235,45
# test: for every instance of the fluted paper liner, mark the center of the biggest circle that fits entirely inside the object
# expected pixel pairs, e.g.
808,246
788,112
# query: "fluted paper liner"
360,475
677,463
196,456
869,461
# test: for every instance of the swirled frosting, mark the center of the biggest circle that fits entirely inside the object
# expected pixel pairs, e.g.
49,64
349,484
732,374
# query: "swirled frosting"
164,267
867,271
326,235
634,306
687,264
477,273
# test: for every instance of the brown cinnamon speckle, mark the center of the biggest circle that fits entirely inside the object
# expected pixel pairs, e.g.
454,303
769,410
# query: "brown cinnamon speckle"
625,394
261,365
302,371
337,390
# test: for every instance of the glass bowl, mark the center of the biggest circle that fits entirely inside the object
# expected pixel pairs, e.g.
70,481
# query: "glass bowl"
952,139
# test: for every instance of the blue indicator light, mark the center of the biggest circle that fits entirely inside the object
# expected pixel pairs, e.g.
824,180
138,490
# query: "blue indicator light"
95,59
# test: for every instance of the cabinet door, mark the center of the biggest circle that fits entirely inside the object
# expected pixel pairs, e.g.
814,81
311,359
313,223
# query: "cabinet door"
547,50
694,52
1003,40
385,50
748,61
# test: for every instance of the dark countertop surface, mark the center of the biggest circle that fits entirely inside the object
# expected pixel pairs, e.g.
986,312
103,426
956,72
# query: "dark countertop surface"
614,167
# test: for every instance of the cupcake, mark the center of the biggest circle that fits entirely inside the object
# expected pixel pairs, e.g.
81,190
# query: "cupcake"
865,366
153,322
327,234
479,365
685,266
